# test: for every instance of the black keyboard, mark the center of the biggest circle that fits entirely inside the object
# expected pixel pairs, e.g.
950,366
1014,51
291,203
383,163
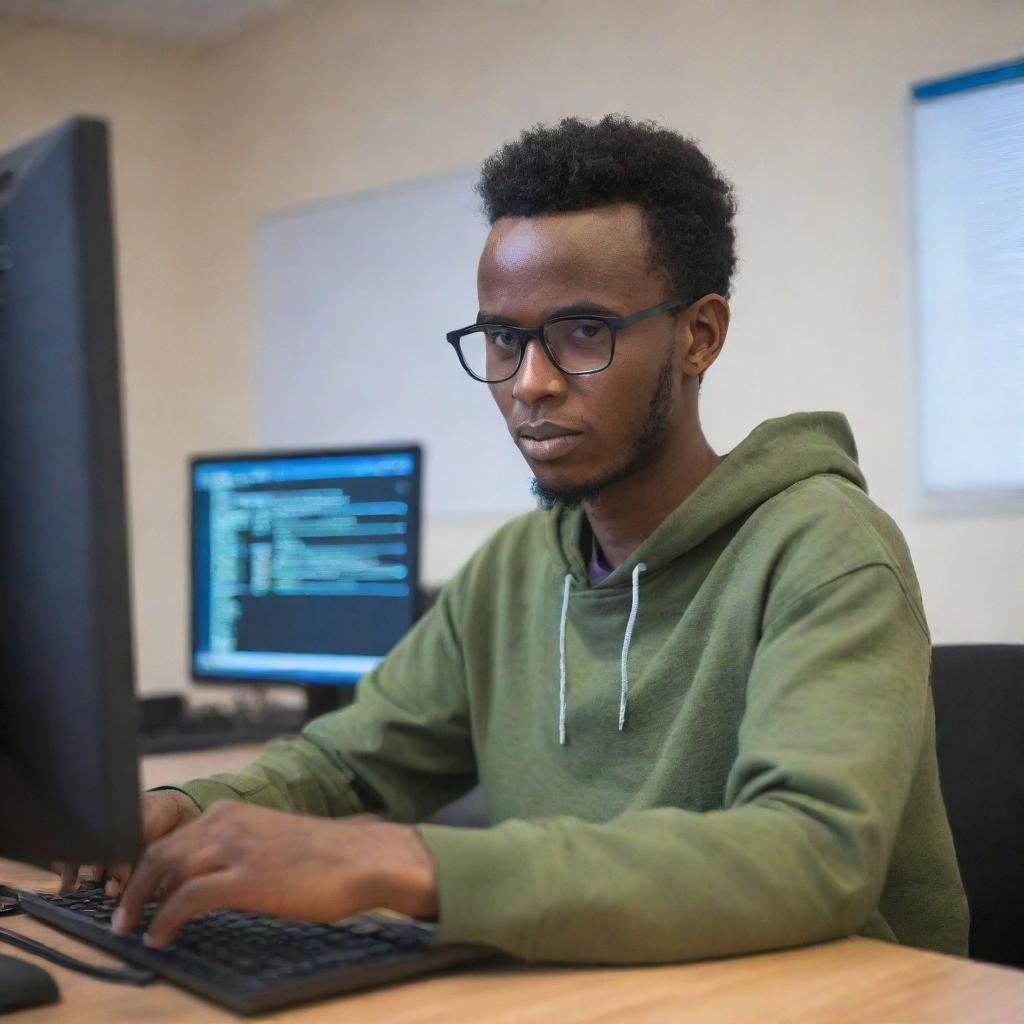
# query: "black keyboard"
209,728
251,963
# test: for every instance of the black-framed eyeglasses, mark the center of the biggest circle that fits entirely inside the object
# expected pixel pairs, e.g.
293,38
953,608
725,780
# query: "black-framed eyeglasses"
577,344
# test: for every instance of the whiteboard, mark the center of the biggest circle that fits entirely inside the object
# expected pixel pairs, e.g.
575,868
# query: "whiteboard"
356,297
969,205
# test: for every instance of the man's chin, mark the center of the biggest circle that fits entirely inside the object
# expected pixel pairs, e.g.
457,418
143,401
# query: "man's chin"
567,493
552,488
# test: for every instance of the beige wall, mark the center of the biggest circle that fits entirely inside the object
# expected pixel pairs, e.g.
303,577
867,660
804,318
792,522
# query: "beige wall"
802,102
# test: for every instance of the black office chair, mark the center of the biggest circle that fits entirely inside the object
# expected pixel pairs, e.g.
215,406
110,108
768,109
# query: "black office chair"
979,720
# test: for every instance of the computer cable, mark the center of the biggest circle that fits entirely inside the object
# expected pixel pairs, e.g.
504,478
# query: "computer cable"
123,975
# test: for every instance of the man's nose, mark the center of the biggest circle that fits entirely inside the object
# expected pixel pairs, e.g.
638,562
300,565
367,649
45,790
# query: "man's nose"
537,377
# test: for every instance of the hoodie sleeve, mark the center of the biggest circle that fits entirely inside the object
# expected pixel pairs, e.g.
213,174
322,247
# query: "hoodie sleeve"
837,710
402,749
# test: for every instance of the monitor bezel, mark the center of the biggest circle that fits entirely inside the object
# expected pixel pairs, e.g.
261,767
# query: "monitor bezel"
268,455
70,774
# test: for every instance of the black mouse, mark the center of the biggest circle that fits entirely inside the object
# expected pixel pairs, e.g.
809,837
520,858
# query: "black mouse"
23,984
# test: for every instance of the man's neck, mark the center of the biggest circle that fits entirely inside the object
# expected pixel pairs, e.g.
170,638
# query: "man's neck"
627,512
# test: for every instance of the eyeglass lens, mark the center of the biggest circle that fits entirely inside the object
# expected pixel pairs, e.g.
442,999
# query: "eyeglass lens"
577,346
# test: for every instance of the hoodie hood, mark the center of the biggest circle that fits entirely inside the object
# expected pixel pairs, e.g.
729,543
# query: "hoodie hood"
774,456
777,454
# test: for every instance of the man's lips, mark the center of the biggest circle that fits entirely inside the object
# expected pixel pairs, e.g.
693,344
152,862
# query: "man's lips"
541,430
545,440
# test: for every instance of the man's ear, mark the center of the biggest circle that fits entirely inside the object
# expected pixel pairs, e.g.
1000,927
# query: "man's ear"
706,324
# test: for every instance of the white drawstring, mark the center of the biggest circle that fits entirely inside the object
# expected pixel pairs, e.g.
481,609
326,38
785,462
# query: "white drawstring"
561,661
639,568
626,640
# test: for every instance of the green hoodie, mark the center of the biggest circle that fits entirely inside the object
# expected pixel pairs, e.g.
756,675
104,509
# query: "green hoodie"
744,758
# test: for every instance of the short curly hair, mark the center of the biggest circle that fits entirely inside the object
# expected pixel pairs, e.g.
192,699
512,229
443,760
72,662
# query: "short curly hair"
688,205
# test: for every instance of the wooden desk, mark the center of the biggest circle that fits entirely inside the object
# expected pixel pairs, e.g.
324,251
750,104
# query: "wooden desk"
853,981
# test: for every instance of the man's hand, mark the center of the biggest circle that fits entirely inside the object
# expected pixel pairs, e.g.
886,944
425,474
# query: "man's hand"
162,811
241,857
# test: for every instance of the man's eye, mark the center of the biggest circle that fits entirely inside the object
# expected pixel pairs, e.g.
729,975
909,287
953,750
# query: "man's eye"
586,332
501,339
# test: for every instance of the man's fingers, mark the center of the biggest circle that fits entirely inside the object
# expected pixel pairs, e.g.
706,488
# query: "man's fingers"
202,862
91,874
68,877
164,867
74,875
193,897
117,879
147,875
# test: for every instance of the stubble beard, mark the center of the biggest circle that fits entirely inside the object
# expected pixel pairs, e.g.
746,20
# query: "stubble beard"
645,445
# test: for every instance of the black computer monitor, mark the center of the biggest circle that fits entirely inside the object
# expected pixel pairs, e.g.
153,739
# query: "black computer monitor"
305,565
68,754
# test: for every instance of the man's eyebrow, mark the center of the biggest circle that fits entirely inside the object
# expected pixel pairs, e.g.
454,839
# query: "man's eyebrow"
583,307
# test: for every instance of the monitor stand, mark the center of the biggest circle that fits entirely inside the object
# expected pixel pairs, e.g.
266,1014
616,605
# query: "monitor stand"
321,699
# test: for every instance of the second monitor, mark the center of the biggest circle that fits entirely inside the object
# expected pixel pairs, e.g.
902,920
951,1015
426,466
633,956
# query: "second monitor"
305,565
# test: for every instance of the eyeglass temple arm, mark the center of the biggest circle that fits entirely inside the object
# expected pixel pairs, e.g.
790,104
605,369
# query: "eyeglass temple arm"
664,307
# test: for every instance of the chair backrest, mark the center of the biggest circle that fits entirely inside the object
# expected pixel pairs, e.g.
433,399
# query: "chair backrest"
978,691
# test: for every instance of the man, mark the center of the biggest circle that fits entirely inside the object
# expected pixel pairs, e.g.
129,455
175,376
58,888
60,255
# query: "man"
694,688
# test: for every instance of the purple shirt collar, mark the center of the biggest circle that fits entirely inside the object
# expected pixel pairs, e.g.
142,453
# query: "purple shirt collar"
599,569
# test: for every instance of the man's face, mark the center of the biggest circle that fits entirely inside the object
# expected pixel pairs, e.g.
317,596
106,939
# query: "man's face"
579,433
